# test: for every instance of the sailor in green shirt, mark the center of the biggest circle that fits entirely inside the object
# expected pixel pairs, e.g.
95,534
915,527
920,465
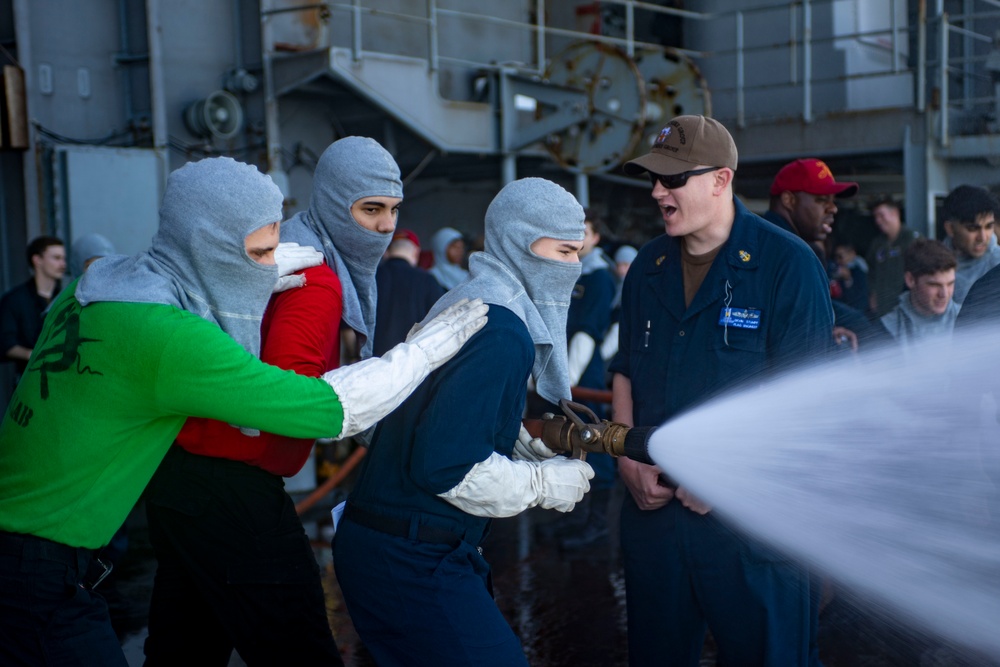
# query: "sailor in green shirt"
126,355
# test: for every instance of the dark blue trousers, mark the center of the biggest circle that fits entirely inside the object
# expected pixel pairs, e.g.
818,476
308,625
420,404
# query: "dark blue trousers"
47,615
685,573
416,603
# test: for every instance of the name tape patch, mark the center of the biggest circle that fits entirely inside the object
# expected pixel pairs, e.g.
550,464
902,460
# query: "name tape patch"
741,318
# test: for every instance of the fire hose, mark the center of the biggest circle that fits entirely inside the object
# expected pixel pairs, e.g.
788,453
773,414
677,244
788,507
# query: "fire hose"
570,434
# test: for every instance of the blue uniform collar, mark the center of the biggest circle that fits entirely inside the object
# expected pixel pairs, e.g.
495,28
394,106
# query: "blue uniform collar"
739,253
740,249
780,221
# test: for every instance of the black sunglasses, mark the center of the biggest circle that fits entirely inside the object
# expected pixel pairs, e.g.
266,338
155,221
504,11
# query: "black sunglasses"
674,181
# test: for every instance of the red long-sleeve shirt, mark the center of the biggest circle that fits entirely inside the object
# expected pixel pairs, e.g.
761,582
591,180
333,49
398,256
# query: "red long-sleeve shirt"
299,332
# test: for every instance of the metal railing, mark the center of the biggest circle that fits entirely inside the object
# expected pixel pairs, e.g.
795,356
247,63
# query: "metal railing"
357,12
798,47
923,48
951,57
972,71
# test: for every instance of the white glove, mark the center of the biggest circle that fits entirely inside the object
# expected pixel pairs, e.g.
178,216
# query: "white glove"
527,448
292,257
438,337
564,483
371,389
499,487
578,356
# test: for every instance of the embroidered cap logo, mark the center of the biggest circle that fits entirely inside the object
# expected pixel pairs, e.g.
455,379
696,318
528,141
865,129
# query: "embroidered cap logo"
662,137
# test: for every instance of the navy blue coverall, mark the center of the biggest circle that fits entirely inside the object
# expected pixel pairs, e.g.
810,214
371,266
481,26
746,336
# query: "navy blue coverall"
415,584
764,305
869,332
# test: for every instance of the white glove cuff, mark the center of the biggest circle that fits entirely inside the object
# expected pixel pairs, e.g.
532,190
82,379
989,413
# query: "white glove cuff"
496,488
371,389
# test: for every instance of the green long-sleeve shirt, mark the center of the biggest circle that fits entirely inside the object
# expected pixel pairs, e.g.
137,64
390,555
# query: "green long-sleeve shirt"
107,389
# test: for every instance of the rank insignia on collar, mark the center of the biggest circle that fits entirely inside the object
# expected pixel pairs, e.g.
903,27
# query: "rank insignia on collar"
659,260
744,255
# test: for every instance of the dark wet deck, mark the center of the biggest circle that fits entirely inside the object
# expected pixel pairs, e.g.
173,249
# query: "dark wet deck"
569,608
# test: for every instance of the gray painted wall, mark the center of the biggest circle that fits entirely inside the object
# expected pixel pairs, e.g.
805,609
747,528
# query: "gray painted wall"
101,85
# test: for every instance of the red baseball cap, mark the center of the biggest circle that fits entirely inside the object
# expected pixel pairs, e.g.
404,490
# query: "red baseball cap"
812,176
407,234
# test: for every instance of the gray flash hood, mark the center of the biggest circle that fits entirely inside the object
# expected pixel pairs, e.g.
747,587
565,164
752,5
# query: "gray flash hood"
197,260
538,290
349,169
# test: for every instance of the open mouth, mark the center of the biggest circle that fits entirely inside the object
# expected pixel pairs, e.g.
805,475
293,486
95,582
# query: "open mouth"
668,210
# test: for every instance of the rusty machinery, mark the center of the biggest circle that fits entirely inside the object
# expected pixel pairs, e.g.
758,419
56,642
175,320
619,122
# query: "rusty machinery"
628,99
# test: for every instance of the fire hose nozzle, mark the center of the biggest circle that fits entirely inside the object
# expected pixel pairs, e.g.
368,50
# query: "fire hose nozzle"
570,434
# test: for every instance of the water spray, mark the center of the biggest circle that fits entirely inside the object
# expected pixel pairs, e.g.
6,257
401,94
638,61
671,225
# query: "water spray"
880,471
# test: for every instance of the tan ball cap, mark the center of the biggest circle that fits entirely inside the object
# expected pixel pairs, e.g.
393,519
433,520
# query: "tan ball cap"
685,143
